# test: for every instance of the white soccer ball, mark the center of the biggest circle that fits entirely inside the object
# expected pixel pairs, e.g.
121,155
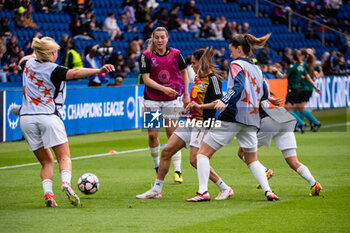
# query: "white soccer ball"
88,183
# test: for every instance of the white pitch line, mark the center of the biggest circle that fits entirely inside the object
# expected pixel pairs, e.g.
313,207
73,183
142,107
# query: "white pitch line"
335,125
125,152
21,165
77,158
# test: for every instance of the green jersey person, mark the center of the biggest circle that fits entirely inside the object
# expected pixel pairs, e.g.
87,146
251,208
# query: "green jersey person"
295,74
307,88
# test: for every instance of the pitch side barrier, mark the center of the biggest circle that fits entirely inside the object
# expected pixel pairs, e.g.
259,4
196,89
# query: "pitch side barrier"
90,110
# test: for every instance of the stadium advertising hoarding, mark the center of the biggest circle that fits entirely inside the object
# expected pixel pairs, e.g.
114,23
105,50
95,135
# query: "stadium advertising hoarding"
335,93
89,110
86,110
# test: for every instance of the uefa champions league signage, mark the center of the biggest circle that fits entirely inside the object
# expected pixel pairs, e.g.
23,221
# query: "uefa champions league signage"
89,110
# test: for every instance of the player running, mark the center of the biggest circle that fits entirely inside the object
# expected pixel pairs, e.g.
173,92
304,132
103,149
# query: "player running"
44,92
205,90
295,74
278,125
240,116
163,71
314,71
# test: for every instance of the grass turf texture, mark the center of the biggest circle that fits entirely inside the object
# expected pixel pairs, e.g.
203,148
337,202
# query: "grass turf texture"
114,207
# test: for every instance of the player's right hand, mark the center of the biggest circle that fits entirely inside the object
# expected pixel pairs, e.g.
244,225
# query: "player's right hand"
169,91
107,68
276,101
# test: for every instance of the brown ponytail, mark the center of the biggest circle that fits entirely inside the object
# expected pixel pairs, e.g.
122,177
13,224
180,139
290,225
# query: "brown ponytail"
311,63
297,56
205,56
249,42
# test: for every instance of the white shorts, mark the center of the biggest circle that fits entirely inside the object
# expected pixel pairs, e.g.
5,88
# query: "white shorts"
222,136
43,131
169,109
192,136
281,133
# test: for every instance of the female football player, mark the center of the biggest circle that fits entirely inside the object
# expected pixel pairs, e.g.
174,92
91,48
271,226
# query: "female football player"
278,125
164,73
44,91
295,73
240,116
205,90
314,71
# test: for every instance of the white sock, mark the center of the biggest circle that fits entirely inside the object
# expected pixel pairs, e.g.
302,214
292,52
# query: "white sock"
221,184
203,171
155,155
306,174
66,176
47,186
158,185
177,161
259,173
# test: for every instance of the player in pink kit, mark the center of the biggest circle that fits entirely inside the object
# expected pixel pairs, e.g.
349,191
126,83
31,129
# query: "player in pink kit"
164,73
205,90
44,92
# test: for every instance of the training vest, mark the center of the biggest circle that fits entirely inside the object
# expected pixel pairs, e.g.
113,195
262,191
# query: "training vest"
40,96
77,62
164,71
248,104
278,114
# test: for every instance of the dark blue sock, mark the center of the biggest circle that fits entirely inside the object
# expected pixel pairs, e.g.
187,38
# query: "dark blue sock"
299,115
310,117
299,120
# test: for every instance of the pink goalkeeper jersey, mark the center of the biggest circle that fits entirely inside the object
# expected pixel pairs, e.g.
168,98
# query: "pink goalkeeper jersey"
165,71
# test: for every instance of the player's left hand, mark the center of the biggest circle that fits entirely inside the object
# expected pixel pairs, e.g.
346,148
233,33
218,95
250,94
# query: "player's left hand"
318,90
184,112
195,105
220,105
185,100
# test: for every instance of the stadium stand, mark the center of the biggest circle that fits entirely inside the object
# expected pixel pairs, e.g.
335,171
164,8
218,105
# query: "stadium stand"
55,24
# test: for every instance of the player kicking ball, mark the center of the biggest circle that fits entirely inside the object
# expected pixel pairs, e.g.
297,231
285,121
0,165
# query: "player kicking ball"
44,92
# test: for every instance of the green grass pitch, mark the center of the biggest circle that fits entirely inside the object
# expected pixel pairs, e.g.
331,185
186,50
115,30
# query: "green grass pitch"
114,207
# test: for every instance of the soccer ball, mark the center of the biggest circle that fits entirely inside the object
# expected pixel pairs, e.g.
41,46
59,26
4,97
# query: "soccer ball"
88,183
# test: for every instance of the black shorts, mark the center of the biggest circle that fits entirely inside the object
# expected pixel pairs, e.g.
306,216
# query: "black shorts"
306,95
294,96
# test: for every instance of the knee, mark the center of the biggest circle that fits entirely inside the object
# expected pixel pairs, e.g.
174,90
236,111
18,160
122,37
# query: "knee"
63,159
48,162
152,137
166,154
